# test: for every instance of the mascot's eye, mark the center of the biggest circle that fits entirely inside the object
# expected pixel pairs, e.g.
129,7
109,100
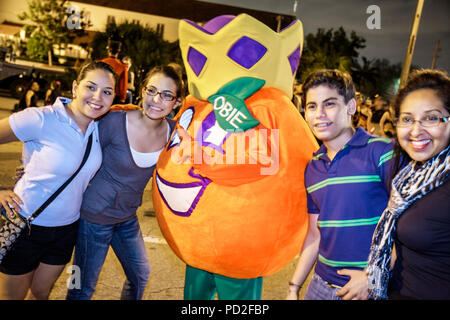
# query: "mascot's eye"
246,52
294,59
196,60
184,122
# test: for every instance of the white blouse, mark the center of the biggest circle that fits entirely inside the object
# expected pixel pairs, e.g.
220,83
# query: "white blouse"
147,159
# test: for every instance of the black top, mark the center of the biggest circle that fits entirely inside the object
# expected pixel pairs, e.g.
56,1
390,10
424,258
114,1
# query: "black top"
422,241
377,115
33,101
52,97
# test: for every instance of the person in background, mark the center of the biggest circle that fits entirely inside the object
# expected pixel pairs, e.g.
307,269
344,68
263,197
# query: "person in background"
131,142
55,139
379,108
347,187
410,252
363,113
130,88
52,93
359,103
120,68
387,123
30,98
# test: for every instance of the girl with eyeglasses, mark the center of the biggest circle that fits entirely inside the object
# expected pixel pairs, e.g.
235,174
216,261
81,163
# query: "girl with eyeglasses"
131,143
410,252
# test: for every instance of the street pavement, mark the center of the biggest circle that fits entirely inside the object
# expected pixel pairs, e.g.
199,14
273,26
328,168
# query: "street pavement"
167,270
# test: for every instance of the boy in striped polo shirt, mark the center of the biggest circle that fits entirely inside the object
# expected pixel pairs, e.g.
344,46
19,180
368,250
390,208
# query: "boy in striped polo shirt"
347,185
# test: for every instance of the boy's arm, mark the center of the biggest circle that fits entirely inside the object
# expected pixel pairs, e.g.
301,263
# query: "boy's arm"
307,258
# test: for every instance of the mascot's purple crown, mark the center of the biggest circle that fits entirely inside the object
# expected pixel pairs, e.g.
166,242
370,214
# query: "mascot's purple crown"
229,47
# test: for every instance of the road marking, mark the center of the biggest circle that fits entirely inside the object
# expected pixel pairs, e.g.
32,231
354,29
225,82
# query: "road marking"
152,239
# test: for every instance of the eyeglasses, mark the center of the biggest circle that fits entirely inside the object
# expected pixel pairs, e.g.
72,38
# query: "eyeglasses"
428,121
165,95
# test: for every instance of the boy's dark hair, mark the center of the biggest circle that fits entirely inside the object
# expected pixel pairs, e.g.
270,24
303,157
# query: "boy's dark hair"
335,79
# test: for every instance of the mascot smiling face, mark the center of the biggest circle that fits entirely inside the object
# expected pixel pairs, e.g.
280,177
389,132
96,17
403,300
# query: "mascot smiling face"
228,188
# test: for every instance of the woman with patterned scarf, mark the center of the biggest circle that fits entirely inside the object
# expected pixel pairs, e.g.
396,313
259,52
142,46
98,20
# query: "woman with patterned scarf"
410,252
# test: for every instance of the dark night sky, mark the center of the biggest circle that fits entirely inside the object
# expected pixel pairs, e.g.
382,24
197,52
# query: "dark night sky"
388,42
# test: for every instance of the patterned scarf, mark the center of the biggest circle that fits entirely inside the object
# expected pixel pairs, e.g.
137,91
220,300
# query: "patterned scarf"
410,184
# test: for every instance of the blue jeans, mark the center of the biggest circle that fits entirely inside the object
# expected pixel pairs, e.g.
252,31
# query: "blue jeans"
92,247
318,289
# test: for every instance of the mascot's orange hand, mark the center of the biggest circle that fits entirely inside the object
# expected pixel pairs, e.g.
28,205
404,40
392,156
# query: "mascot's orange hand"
243,162
188,151
183,152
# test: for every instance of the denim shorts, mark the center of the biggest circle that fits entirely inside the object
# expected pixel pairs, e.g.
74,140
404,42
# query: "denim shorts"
319,289
49,245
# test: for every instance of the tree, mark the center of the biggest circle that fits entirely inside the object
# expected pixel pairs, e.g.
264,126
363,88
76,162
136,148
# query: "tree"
37,49
387,76
330,50
143,44
376,76
365,76
334,49
48,27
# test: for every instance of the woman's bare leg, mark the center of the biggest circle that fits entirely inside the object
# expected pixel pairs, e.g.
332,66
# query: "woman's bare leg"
15,287
44,278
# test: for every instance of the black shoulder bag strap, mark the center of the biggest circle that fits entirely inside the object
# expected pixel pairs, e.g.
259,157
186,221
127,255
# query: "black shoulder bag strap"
57,192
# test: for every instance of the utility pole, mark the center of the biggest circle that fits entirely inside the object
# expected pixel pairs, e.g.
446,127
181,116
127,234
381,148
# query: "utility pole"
435,55
411,44
294,8
278,23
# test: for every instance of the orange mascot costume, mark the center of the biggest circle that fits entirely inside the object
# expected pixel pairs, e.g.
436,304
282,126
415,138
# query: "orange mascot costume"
228,188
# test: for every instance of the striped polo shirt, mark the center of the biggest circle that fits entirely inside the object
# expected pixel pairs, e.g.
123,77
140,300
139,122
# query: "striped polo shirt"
349,194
